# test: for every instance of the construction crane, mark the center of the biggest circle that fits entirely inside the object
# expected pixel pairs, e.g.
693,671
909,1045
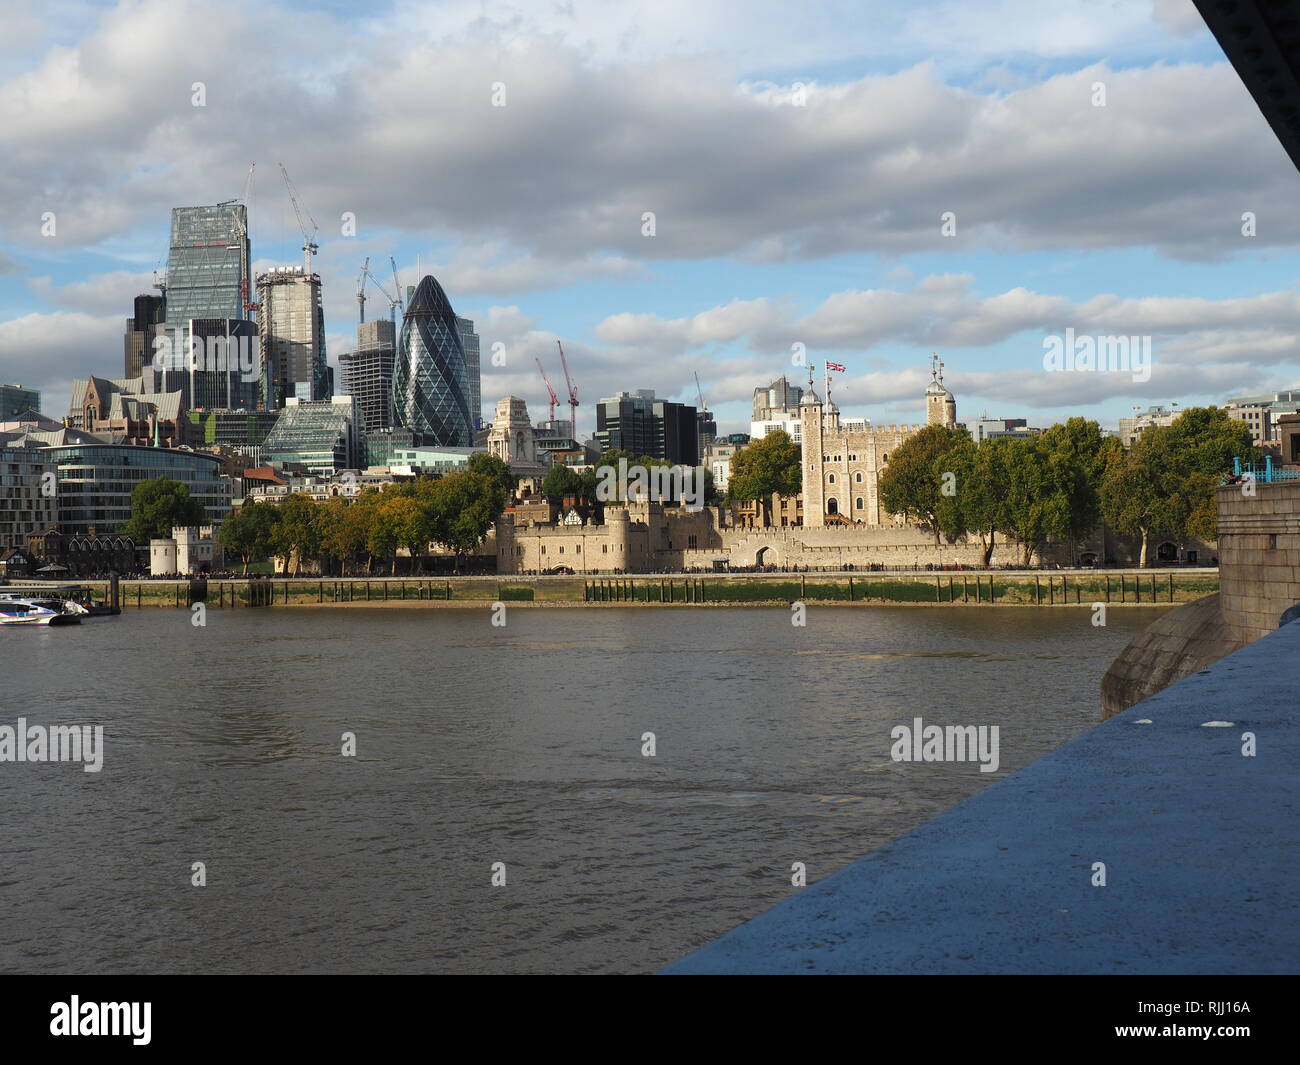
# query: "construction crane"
309,245
361,289
700,391
397,291
549,389
573,392
249,305
393,301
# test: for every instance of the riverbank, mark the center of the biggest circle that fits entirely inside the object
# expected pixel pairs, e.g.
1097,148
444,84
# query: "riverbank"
967,588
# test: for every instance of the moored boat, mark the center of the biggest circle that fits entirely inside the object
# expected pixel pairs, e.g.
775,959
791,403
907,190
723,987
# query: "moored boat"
23,611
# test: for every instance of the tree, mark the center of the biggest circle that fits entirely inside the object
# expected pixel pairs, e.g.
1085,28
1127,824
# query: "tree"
296,532
1039,488
494,469
344,526
1081,444
1166,483
463,508
763,468
383,537
159,504
248,532
913,482
559,482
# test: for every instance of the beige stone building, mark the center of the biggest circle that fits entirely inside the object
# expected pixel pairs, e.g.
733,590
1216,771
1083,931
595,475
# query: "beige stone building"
842,466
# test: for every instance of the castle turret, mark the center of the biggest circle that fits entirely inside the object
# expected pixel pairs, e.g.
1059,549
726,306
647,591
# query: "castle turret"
940,406
811,429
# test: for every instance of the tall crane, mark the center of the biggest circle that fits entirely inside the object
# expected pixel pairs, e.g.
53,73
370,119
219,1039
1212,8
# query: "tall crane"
397,291
549,389
361,289
393,301
573,392
700,391
242,226
309,245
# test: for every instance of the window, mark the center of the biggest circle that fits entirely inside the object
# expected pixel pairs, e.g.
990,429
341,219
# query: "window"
691,543
831,478
604,549
561,549
578,550
858,477
858,503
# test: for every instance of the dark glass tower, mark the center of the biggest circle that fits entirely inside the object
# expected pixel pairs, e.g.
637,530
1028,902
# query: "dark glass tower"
431,393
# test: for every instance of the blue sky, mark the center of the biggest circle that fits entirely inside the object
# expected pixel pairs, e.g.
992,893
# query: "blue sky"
781,217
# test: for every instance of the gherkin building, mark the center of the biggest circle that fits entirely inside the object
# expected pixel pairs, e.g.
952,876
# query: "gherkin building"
431,394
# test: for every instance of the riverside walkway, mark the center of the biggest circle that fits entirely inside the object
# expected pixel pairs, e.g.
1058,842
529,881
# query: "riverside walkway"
1201,846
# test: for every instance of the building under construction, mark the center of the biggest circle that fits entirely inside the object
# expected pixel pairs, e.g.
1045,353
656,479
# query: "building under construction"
367,373
291,325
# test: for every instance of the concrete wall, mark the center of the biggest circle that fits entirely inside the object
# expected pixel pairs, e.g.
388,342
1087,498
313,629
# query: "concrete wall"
1259,556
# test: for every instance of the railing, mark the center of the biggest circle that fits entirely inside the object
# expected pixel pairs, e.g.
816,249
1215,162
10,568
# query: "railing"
1266,472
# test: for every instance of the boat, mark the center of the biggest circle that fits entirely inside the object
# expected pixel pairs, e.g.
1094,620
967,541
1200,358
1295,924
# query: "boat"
20,611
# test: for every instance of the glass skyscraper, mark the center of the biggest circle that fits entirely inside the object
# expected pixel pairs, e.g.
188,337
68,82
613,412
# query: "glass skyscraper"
208,264
469,341
431,393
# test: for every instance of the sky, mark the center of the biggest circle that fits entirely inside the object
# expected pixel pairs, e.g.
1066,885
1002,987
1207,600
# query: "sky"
864,182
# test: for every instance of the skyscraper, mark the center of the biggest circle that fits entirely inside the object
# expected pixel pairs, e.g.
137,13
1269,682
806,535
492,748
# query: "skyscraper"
208,264
141,329
292,327
640,423
431,393
469,341
368,373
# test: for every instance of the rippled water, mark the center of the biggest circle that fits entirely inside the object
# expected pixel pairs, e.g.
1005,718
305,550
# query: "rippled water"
477,745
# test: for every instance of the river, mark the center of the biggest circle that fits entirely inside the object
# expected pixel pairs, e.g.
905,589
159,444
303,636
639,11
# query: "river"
476,745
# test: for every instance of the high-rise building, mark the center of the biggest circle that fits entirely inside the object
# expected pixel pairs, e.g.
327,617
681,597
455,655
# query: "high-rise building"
208,264
469,341
431,393
639,423
142,328
1261,414
14,399
368,373
706,431
291,323
779,401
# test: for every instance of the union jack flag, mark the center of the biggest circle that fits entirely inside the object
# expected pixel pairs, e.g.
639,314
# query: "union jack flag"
835,366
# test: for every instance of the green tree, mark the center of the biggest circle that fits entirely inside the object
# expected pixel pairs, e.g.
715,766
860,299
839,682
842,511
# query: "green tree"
1039,488
1080,443
763,468
464,507
159,504
494,469
560,481
248,532
296,533
1166,482
914,484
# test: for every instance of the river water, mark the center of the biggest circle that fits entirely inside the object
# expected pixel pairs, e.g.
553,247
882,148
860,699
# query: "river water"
477,745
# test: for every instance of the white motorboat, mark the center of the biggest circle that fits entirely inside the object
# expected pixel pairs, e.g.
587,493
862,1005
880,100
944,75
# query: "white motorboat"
28,611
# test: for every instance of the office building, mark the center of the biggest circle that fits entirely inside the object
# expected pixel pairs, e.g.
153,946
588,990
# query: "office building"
142,329
1131,428
320,435
15,399
95,482
431,393
641,424
27,499
291,326
208,264
779,401
367,373
469,342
